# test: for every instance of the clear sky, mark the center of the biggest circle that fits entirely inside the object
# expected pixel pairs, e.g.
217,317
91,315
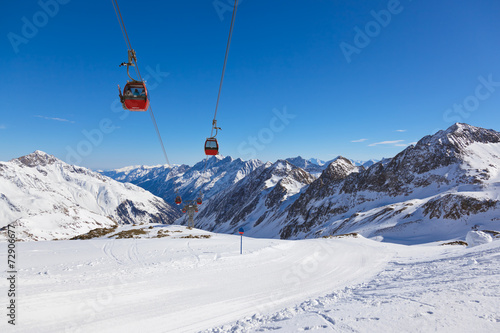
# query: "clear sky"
316,78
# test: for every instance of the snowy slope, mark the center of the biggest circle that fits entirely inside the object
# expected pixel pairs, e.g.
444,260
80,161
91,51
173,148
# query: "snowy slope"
46,198
421,289
176,284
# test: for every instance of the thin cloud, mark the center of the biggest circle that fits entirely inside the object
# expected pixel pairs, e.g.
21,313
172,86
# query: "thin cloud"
401,131
2,127
401,145
395,142
360,140
56,119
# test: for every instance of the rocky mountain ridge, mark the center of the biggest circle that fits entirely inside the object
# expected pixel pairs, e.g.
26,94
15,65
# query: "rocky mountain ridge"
438,188
447,183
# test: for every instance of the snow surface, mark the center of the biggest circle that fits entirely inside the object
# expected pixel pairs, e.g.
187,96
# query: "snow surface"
475,238
483,158
176,284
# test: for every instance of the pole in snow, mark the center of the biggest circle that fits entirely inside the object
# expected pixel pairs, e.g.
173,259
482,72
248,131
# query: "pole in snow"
241,231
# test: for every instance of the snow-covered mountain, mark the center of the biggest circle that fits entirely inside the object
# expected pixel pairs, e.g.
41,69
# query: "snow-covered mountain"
45,198
437,189
440,188
209,177
316,161
365,164
253,202
313,166
316,166
219,174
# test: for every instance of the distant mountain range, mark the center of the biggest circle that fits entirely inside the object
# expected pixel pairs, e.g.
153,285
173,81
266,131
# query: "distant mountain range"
437,189
206,177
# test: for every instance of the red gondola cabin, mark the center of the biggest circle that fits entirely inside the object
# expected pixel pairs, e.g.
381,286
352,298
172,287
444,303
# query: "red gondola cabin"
199,201
178,200
135,96
211,147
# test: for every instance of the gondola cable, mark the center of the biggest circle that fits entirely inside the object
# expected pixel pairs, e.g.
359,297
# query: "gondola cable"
214,122
133,57
133,62
211,144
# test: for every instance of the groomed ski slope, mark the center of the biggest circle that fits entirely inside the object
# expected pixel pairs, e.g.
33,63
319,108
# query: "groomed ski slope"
429,288
176,284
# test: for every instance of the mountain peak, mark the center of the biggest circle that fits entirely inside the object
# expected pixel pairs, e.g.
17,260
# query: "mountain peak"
461,129
339,169
298,161
37,158
316,161
342,162
461,135
283,165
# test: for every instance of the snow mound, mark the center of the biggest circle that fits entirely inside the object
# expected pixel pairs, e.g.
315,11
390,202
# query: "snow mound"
475,238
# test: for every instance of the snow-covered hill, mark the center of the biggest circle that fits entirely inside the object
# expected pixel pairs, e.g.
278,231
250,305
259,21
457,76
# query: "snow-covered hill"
196,281
45,198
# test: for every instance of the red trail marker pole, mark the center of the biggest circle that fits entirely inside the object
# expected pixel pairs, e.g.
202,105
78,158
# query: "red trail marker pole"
241,231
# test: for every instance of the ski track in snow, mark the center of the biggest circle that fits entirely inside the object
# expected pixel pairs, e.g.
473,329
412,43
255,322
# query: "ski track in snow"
205,285
452,293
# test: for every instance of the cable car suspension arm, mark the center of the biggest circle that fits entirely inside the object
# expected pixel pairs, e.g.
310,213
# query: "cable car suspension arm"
132,60
214,124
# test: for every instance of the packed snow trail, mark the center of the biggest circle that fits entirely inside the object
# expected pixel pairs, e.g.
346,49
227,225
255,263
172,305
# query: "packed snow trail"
175,284
423,289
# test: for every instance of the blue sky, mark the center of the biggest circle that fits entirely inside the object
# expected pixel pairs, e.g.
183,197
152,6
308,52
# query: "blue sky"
312,78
